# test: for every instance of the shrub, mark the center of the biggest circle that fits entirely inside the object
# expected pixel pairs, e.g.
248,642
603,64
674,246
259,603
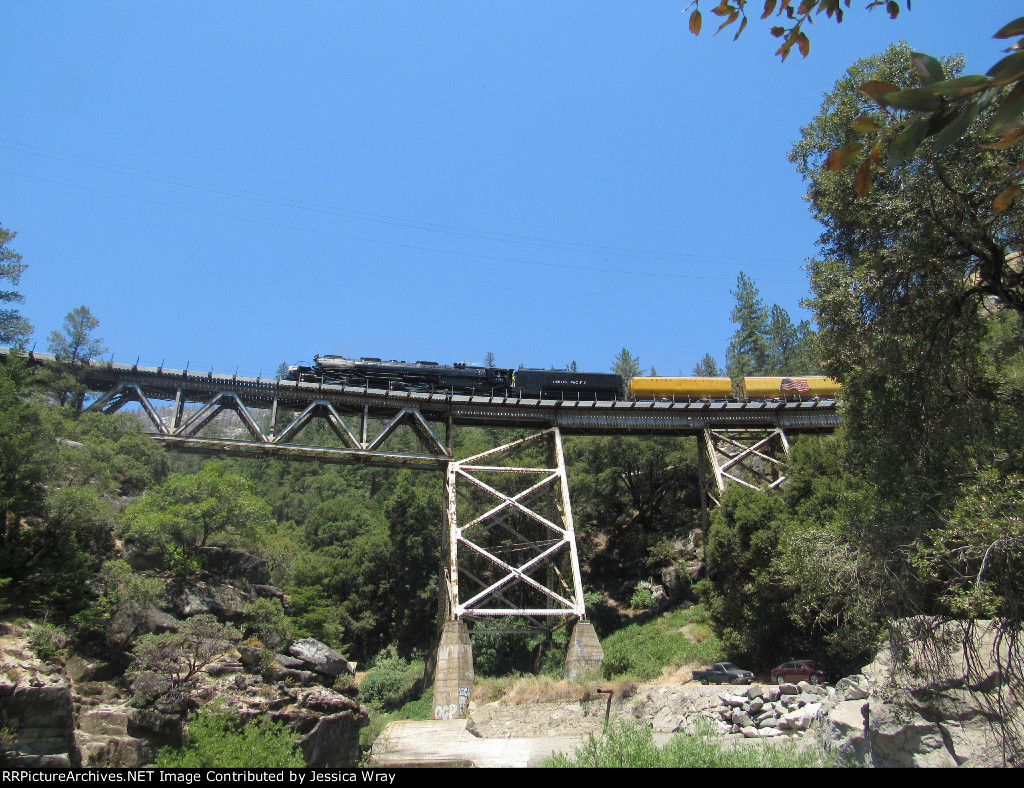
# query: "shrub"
217,739
631,745
177,657
390,681
501,653
266,619
642,599
48,641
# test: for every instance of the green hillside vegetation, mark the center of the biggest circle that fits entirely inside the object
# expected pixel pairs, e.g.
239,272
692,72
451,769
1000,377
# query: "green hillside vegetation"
914,507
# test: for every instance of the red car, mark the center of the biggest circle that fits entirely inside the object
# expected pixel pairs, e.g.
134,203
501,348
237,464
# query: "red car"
801,670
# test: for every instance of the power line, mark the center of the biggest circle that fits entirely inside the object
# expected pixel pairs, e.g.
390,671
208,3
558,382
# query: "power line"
413,224
328,233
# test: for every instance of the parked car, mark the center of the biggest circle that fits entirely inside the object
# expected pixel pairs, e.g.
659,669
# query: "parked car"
723,673
801,670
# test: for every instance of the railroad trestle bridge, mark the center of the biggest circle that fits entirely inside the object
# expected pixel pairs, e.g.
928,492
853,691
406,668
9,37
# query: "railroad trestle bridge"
509,546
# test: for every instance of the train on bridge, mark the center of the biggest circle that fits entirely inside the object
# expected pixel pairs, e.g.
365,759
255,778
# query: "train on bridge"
465,379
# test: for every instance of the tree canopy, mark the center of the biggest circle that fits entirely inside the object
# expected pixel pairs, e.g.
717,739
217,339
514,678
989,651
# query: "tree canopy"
15,330
75,342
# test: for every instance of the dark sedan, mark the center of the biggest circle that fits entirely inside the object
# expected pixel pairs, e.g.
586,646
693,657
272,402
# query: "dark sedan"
801,670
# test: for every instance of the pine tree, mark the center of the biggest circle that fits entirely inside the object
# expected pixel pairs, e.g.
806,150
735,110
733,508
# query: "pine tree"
627,366
15,330
747,353
76,344
782,341
707,367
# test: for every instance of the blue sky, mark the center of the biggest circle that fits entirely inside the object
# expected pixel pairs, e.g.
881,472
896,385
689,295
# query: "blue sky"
237,184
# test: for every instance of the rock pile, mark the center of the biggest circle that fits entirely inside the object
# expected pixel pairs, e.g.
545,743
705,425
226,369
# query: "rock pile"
737,712
751,712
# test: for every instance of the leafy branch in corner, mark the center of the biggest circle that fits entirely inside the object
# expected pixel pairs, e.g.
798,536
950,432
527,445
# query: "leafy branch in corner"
798,13
941,110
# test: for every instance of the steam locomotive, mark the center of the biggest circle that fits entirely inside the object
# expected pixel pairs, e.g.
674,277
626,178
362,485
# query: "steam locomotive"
459,378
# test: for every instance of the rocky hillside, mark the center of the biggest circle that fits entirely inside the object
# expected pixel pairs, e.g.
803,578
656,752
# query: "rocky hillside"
130,693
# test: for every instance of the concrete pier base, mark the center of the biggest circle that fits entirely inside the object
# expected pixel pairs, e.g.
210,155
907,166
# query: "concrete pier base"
585,652
453,679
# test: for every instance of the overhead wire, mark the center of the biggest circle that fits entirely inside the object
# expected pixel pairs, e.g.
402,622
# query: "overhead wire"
411,224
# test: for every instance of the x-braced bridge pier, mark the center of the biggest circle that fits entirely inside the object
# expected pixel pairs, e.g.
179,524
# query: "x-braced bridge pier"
509,540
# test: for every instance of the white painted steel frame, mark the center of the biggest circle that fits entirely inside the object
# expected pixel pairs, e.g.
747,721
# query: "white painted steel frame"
728,452
490,598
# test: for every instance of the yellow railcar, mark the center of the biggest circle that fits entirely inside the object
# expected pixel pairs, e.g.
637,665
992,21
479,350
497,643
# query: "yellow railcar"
792,387
681,388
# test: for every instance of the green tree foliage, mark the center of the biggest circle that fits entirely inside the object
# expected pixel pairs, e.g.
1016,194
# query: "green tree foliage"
111,453
15,330
903,313
972,563
645,484
185,512
216,738
75,343
178,657
266,619
391,680
747,353
741,593
56,478
72,346
911,508
766,342
627,366
707,367
941,108
23,449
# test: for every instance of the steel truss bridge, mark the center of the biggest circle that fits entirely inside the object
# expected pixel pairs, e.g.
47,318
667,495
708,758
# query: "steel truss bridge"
509,546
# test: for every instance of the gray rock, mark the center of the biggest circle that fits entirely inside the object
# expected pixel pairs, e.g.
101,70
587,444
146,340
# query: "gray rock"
321,658
131,621
334,742
222,601
742,719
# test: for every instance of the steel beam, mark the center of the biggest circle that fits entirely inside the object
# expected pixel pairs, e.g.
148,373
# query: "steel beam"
516,557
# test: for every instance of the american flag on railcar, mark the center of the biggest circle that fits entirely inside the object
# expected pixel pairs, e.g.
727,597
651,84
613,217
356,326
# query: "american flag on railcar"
789,384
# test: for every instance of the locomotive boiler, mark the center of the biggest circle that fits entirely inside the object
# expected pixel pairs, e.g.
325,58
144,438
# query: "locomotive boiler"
459,378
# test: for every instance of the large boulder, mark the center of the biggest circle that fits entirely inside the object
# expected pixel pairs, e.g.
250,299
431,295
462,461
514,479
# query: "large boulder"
131,621
223,601
334,742
38,713
935,695
321,658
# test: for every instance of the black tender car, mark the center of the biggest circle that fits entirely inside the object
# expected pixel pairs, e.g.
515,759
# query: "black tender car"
459,379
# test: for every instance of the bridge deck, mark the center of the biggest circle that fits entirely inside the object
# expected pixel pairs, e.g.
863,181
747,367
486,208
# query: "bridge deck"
581,417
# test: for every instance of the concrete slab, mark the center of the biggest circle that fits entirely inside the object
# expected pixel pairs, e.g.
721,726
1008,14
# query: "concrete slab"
448,743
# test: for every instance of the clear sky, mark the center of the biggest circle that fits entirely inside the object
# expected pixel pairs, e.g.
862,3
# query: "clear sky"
237,184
